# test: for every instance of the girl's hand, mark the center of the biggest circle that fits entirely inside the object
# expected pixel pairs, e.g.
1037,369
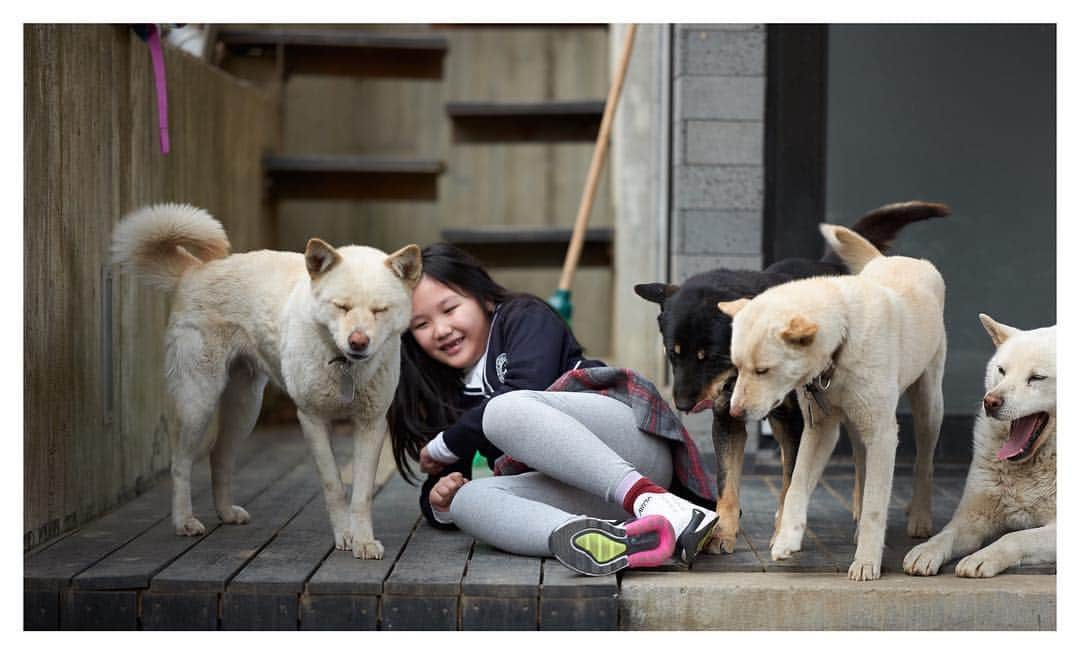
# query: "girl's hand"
428,464
444,490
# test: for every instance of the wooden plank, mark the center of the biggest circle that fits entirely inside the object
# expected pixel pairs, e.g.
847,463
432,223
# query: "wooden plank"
537,122
500,590
265,593
132,565
344,593
423,588
183,594
572,601
117,609
530,246
757,492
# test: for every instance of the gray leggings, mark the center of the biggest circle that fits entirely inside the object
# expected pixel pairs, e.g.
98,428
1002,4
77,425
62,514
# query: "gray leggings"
579,445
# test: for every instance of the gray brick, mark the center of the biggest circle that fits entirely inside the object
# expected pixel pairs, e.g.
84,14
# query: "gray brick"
720,98
685,265
720,142
719,232
719,187
725,27
719,52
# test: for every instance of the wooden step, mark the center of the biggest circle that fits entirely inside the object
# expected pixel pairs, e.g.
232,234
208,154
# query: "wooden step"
342,52
549,121
531,247
351,177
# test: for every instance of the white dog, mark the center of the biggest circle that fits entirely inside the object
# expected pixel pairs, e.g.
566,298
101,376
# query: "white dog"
851,345
1012,483
325,326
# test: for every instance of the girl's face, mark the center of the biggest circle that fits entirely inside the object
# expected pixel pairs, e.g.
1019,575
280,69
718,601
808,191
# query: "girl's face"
450,326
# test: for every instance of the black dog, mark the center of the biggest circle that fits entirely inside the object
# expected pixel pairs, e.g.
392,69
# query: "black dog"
697,338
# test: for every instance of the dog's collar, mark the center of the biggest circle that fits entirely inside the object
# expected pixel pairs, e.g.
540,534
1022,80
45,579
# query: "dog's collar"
819,384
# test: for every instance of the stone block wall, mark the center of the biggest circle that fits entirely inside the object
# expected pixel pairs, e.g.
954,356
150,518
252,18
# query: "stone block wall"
718,129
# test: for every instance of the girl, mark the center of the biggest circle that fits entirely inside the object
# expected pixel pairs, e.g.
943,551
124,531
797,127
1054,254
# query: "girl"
476,361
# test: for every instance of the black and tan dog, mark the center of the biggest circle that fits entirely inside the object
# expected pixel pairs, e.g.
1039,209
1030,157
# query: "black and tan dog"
697,339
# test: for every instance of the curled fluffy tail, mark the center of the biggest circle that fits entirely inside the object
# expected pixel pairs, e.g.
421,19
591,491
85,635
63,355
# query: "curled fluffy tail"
882,225
161,242
854,250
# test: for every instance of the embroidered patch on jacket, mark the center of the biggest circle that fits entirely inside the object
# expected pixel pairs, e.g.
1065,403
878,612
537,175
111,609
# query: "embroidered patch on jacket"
500,367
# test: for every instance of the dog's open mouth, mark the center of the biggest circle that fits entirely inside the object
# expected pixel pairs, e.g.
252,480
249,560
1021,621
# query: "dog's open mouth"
1023,438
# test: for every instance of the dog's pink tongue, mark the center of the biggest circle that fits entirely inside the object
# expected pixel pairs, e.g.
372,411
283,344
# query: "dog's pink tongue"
1019,433
701,406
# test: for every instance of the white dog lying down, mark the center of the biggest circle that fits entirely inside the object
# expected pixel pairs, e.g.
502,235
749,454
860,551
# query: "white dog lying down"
1012,482
852,344
325,326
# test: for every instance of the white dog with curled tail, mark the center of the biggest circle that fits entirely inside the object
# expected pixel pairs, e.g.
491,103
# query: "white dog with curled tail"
324,325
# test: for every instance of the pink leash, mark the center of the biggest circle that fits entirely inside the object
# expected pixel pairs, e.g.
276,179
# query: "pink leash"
153,41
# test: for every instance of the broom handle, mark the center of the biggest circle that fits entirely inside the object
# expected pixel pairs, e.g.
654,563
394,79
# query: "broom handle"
577,239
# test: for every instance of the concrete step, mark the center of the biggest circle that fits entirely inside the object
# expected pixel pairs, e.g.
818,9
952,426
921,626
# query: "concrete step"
814,601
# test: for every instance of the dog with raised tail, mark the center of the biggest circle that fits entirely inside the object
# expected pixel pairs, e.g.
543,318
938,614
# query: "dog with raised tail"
325,326
850,345
1011,487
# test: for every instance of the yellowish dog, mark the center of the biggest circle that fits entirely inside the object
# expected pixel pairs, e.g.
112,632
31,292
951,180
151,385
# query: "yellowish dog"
850,345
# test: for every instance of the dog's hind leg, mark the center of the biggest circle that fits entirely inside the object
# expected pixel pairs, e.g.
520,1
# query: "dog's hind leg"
815,449
195,380
239,409
927,409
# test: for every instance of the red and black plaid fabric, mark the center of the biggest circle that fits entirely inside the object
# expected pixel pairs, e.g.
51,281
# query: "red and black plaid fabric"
652,414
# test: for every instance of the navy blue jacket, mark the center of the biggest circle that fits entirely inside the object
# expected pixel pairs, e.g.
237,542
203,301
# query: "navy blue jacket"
529,347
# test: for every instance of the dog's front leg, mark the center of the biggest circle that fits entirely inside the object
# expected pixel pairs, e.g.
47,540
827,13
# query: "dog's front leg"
787,426
1031,546
815,448
880,460
729,441
317,434
968,529
368,439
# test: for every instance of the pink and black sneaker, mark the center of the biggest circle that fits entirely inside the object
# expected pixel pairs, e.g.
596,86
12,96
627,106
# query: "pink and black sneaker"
597,547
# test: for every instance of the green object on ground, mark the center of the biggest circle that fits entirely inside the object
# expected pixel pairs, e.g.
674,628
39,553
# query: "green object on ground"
560,301
479,460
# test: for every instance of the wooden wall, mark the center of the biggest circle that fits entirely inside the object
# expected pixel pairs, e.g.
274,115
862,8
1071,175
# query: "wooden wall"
93,382
484,184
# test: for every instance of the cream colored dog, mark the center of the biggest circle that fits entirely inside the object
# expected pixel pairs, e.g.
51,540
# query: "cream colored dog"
325,326
1012,483
851,345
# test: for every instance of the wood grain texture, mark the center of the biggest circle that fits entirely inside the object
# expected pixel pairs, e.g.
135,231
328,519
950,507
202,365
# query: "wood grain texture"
93,435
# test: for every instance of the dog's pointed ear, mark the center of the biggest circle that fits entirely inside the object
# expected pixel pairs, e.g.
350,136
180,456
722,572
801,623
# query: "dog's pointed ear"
799,331
320,257
999,332
656,292
407,264
733,307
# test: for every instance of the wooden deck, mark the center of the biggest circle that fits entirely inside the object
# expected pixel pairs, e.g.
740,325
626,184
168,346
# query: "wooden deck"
128,570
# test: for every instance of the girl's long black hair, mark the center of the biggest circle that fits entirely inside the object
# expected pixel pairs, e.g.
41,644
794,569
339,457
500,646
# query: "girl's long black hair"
428,393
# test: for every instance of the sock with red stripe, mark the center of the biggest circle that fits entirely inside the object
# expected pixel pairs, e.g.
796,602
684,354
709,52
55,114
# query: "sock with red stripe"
637,487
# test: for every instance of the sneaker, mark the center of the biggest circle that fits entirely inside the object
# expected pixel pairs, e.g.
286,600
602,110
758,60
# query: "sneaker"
693,525
598,547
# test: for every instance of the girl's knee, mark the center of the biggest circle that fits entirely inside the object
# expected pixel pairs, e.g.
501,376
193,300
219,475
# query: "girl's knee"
503,412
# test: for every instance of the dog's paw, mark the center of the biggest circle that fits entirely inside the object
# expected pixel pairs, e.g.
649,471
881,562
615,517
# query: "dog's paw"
920,524
371,549
981,564
785,542
189,526
234,515
924,560
343,539
864,570
721,544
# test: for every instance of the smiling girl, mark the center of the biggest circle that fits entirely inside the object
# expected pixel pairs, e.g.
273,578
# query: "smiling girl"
583,454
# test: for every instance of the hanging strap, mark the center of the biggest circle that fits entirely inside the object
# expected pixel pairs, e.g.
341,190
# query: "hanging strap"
157,58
